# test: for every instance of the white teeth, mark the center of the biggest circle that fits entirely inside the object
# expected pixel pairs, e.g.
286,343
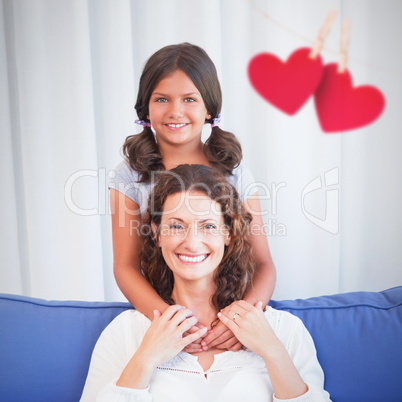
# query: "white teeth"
176,125
198,258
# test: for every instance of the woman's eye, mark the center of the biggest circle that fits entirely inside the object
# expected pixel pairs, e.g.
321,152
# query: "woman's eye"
189,100
209,226
175,227
161,100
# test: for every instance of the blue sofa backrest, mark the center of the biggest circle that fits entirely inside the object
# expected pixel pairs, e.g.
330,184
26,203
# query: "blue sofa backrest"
46,346
358,337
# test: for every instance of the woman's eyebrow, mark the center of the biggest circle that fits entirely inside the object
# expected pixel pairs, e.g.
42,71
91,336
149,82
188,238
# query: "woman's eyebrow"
206,220
175,219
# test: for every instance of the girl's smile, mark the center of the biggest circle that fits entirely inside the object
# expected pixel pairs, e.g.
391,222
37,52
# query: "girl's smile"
177,126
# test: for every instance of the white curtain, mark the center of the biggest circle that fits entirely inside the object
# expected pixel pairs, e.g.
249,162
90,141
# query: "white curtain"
69,72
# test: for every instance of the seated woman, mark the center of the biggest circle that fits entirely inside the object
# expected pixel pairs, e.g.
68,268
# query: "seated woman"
197,257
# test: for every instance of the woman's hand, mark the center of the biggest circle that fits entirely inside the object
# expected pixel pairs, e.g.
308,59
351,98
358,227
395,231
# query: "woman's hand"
165,338
249,325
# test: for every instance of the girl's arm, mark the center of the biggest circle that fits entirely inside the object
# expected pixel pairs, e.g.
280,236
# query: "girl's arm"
265,276
264,279
126,249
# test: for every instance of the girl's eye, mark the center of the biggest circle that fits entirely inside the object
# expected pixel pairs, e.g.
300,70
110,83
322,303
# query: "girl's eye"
161,100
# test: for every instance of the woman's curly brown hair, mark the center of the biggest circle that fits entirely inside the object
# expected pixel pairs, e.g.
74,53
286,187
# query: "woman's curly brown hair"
234,275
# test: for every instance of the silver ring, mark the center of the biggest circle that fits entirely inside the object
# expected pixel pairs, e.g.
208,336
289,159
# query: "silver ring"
234,317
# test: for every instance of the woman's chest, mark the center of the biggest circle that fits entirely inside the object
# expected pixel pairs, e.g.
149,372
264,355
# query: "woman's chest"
206,359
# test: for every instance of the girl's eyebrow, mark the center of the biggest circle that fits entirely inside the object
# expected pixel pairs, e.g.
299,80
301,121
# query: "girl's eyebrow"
161,94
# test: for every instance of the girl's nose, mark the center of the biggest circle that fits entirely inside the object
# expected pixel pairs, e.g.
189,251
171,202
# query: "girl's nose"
176,110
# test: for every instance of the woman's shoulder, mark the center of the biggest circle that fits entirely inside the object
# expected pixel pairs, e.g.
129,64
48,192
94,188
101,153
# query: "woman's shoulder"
129,320
282,322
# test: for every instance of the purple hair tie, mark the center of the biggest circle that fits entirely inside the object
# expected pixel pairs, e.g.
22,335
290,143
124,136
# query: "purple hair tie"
143,123
216,121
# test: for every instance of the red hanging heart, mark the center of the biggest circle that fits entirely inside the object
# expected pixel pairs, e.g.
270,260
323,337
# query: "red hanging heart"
287,85
341,107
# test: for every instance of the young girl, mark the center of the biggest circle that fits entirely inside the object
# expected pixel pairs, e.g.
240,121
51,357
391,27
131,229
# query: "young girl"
195,255
178,93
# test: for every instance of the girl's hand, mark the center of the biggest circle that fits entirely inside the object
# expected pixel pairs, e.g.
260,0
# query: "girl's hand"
221,337
165,337
249,325
195,346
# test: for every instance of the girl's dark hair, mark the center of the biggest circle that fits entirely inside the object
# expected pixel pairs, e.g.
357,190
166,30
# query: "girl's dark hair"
222,148
235,273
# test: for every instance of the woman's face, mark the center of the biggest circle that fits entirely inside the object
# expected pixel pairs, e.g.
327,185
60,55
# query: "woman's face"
192,236
176,110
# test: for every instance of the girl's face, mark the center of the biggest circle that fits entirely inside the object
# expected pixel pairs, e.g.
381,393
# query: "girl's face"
192,236
177,111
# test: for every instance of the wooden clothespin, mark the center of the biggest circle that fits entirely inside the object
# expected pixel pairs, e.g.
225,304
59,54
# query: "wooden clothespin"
319,43
343,49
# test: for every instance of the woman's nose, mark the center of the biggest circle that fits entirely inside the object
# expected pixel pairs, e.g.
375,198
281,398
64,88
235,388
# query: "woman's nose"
191,239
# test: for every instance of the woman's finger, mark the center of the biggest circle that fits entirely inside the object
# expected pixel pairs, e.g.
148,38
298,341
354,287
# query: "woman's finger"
180,316
171,311
242,304
187,324
228,322
157,314
192,337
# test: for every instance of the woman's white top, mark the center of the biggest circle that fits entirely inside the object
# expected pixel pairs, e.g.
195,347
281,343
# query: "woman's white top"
233,376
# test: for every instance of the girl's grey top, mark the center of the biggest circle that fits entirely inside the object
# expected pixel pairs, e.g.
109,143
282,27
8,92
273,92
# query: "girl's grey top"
125,180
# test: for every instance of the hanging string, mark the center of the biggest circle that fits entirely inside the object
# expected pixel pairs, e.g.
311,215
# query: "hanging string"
311,42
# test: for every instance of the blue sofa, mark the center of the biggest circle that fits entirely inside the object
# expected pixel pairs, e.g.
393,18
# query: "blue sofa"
46,346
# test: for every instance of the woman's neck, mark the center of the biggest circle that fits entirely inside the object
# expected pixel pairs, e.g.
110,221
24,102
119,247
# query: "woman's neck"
196,298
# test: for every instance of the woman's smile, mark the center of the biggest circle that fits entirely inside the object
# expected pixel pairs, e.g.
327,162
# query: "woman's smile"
192,258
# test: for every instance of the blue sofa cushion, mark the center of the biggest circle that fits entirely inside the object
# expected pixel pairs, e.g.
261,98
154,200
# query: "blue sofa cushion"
358,337
46,346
